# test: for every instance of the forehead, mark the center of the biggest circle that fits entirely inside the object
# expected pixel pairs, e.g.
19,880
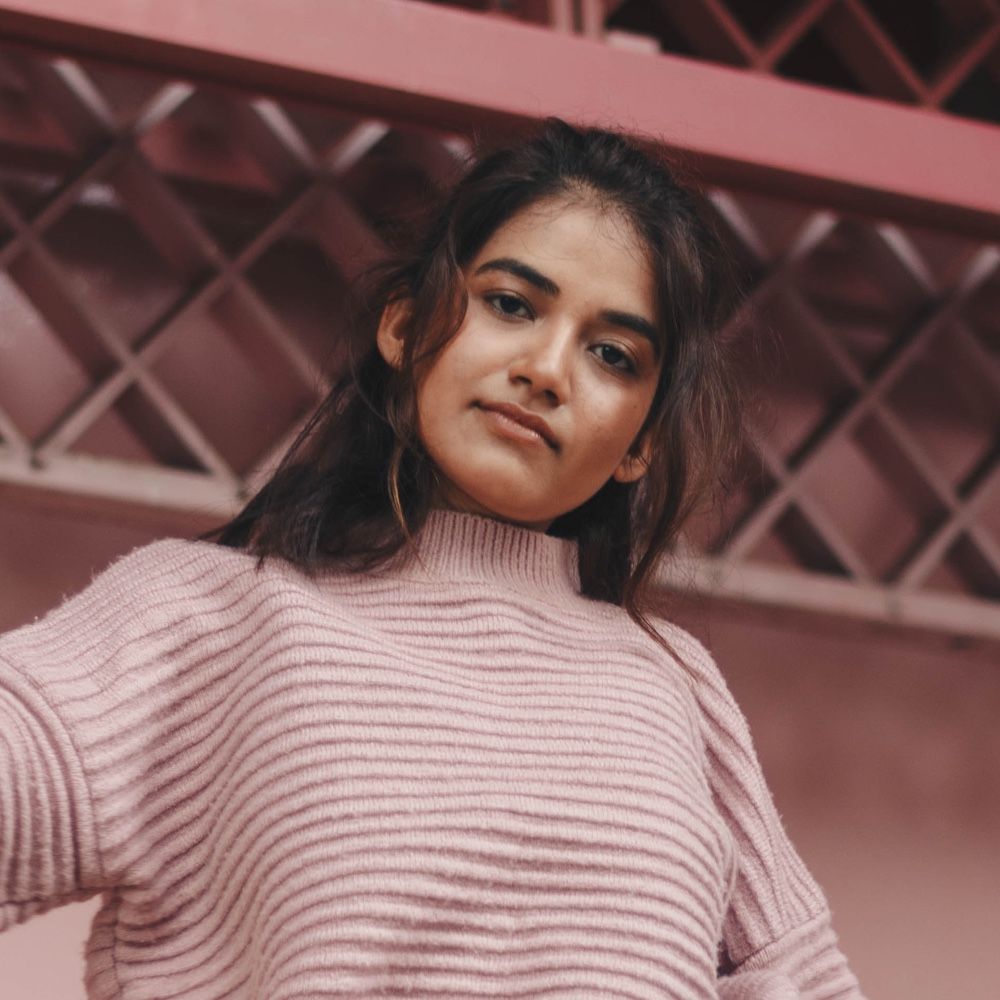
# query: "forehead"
583,247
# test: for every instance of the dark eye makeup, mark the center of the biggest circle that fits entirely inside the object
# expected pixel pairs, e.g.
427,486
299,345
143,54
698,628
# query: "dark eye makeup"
511,307
506,305
615,357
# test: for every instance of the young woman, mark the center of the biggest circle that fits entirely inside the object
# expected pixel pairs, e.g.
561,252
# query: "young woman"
411,729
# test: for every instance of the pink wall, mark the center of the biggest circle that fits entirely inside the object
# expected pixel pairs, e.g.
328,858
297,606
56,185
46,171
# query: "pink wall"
883,754
881,748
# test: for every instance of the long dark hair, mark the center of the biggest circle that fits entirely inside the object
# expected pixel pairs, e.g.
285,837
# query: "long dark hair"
357,483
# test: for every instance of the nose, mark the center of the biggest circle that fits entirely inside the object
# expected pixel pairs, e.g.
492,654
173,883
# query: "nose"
543,363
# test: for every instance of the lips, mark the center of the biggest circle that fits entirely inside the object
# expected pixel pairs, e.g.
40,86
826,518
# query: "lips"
526,419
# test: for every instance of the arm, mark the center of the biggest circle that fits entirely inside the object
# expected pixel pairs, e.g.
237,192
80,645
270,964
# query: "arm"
48,842
58,705
778,938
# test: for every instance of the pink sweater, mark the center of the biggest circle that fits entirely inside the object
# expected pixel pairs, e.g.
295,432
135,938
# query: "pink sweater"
454,778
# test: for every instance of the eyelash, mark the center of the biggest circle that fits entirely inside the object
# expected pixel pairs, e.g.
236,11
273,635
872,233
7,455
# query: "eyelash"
628,368
495,298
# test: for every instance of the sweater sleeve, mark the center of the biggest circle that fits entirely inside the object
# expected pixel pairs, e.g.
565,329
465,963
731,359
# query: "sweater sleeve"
48,841
777,935
56,679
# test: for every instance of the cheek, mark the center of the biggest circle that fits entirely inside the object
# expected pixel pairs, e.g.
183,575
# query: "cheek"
615,428
430,419
449,371
440,400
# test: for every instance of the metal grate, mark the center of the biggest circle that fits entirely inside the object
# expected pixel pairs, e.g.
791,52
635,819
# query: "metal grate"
174,260
881,462
938,54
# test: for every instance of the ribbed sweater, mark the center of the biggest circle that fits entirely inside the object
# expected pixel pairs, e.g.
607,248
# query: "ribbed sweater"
454,777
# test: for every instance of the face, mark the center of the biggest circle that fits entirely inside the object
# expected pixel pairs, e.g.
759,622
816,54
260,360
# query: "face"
538,400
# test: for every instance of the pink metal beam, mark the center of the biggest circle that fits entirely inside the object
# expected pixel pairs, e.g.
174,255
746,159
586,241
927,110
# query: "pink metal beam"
454,68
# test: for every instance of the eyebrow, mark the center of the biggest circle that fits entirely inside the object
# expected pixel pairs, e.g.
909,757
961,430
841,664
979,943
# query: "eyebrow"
615,317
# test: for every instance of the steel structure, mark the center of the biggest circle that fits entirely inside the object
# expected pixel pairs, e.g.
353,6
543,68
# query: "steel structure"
187,191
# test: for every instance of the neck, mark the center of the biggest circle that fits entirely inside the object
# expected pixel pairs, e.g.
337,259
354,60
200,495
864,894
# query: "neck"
451,498
455,545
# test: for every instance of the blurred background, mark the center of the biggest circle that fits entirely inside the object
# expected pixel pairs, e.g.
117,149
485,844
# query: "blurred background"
187,191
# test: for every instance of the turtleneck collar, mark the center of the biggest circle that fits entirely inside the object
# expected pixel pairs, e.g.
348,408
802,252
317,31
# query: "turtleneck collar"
457,546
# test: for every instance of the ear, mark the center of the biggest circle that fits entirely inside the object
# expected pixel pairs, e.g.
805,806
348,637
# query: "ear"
634,465
392,331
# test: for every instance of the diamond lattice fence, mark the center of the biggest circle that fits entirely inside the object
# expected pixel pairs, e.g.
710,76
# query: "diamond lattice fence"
173,265
940,54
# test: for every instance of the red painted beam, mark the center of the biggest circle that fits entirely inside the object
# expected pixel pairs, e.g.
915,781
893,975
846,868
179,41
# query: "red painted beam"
452,68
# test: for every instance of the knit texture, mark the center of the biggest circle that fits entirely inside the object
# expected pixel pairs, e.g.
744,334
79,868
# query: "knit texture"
454,777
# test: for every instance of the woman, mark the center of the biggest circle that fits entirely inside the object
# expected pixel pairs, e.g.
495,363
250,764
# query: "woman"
410,728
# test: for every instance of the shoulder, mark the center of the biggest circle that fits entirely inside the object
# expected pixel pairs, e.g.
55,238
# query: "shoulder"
695,659
161,579
692,653
150,590
173,560
722,721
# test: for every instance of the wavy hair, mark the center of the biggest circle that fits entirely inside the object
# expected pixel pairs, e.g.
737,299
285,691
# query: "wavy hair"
357,484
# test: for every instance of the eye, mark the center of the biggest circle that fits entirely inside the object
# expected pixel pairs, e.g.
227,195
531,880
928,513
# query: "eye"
508,306
615,357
